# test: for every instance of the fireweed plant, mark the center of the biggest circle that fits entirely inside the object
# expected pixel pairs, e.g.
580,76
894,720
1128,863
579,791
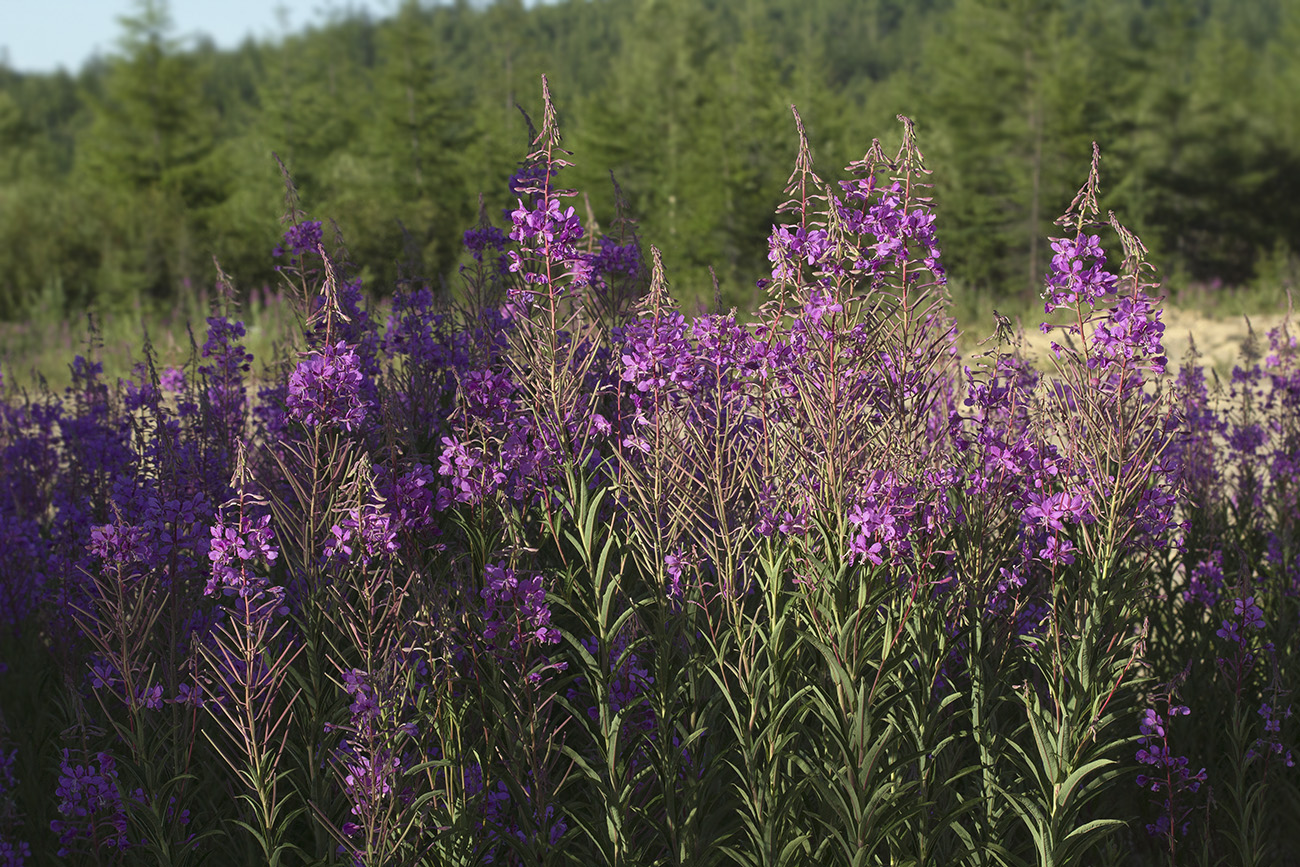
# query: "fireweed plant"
552,573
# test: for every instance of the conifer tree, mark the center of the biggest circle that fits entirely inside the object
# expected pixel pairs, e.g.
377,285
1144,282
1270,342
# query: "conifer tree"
146,154
1004,123
421,138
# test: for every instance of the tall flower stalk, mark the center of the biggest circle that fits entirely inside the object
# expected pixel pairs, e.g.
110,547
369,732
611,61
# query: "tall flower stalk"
248,663
1112,505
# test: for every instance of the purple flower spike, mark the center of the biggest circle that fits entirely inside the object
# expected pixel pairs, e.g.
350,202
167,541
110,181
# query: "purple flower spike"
788,245
172,380
1078,273
477,240
235,553
1053,510
886,230
516,616
1170,777
91,804
325,389
1249,612
302,238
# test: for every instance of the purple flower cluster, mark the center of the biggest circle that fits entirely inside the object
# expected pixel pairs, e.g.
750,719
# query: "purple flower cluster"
172,380
833,447
1127,330
498,822
1078,275
617,259
13,853
656,352
482,238
628,685
1239,661
880,236
1270,742
410,497
426,348
90,801
427,337
121,544
705,367
367,781
240,553
1131,331
224,375
545,224
369,530
325,389
299,240
1242,653
516,609
774,516
471,480
892,230
551,232
1205,582
364,707
789,247
1054,510
372,758
1170,777
881,518
532,178
501,451
1246,616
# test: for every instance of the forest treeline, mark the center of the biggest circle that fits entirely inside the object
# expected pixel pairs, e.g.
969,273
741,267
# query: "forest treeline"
118,184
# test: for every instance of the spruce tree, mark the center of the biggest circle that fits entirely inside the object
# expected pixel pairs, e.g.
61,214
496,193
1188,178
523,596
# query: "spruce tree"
145,158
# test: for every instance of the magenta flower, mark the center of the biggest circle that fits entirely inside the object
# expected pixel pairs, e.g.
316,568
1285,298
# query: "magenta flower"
1250,613
238,553
655,352
370,527
1206,581
1058,551
91,803
888,233
224,374
303,238
120,544
517,618
1170,775
479,239
552,233
1078,273
789,244
172,379
1054,510
324,389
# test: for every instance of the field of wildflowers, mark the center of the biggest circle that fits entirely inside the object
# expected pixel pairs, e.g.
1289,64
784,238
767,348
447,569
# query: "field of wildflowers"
555,574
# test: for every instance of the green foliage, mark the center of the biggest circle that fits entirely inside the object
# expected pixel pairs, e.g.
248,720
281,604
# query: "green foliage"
118,184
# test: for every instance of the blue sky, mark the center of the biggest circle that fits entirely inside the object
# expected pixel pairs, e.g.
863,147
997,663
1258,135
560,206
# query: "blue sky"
42,35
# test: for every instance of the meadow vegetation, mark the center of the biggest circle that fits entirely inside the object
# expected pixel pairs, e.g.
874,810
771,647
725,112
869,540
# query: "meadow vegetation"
545,571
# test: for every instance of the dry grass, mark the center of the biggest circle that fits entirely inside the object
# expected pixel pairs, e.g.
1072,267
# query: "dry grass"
39,349
46,348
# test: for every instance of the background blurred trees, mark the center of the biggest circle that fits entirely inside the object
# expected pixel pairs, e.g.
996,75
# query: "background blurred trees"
118,184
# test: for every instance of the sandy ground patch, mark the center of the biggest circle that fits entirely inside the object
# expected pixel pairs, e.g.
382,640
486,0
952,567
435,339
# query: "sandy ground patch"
1219,341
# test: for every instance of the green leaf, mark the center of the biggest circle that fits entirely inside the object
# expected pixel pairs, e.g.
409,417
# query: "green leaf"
1076,778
